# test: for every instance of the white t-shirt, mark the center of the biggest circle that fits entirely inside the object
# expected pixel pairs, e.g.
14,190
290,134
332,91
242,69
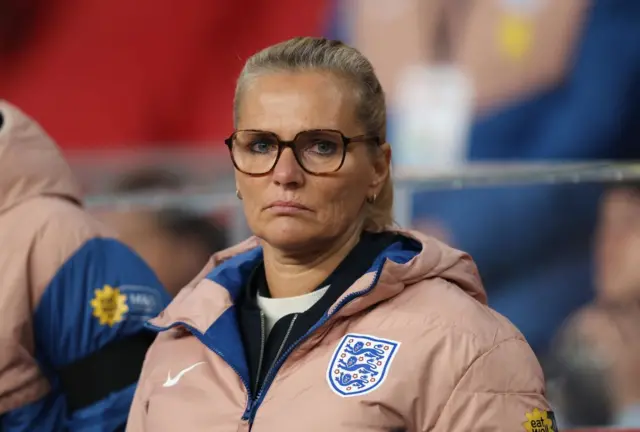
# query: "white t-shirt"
276,308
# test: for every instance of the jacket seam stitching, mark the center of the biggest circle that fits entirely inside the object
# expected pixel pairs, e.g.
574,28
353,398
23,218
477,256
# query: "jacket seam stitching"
471,364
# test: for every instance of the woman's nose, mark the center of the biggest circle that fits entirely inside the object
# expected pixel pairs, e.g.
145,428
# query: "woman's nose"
288,171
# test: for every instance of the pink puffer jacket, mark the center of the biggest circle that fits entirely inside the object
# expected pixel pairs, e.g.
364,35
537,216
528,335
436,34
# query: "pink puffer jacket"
410,346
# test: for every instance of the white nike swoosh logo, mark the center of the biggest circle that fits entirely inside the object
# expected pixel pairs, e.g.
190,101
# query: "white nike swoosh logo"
170,382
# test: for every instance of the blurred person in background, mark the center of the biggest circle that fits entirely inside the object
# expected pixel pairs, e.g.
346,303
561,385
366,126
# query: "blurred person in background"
73,299
175,242
329,318
594,367
594,364
547,85
618,244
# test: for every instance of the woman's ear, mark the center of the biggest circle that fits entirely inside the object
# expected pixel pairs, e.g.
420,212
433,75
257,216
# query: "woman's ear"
381,167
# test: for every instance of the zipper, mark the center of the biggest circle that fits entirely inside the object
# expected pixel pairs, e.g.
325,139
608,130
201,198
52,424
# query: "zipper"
284,341
262,344
280,360
275,360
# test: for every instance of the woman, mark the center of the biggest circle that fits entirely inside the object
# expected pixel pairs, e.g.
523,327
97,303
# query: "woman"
328,319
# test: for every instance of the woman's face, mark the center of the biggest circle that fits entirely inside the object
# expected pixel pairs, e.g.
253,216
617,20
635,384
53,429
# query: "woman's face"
286,104
618,245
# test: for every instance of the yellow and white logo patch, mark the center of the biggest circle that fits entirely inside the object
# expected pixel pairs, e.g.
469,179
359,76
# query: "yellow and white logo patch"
540,421
109,306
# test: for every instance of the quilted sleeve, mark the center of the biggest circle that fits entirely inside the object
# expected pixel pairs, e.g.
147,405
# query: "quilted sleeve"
502,390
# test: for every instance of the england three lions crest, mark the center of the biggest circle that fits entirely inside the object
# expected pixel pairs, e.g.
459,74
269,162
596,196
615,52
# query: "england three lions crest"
360,364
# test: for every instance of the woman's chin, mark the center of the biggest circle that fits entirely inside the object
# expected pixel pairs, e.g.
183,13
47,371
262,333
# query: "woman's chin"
289,234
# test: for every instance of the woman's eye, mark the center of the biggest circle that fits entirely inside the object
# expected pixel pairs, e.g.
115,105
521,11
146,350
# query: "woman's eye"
260,147
324,147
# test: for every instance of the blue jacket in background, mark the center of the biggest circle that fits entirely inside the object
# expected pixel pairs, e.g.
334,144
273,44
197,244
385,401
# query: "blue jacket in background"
79,314
73,299
533,245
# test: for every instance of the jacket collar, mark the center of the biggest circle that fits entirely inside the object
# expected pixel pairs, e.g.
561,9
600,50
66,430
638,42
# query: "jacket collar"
218,287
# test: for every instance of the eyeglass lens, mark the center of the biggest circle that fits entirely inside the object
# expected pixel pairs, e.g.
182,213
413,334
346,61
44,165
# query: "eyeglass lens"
256,152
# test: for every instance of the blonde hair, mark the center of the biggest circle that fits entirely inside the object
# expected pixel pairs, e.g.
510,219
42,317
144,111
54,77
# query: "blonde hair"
304,54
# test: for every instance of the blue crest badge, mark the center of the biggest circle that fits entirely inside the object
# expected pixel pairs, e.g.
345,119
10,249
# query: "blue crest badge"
360,364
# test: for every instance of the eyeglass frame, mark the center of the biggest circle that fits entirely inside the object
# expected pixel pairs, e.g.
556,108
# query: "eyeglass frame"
282,144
